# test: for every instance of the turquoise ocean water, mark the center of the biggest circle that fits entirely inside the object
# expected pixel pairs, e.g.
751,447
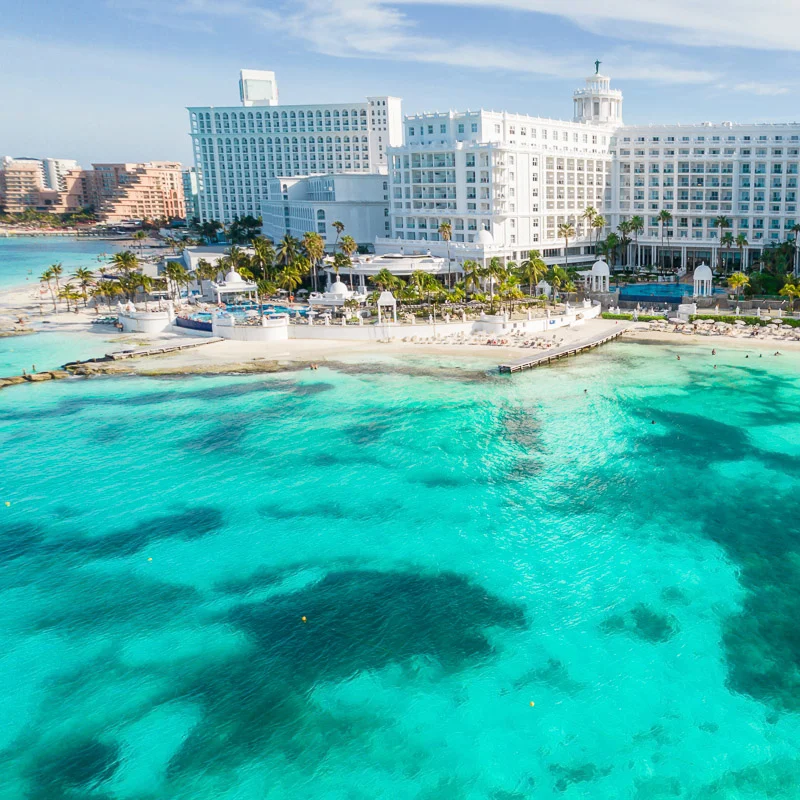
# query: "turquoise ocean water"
24,259
461,545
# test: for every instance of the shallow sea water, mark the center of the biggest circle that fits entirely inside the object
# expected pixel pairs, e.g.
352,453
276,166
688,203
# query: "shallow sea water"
461,546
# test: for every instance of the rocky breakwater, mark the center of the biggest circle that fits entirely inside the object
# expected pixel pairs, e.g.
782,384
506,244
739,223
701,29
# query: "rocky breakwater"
34,377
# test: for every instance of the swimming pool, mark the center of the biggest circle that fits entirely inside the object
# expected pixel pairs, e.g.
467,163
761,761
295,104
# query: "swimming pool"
658,292
241,311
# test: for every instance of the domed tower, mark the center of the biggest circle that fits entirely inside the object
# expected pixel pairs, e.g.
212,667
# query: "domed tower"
598,103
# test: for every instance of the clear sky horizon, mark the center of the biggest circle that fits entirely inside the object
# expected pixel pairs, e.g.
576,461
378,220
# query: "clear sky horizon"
109,80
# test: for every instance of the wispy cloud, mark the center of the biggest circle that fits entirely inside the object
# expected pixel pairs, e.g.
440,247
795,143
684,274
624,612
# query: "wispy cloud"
764,89
382,29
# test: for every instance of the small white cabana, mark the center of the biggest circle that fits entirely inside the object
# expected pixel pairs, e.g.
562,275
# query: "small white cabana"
702,281
600,276
386,300
234,284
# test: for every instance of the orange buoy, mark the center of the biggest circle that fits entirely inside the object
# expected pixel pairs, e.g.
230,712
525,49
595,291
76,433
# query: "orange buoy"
303,619
532,704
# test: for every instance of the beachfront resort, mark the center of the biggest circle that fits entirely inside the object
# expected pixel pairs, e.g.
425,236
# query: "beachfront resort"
375,452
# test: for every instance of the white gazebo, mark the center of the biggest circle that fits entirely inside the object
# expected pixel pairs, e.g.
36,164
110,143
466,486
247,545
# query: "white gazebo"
703,280
234,284
386,300
599,277
336,296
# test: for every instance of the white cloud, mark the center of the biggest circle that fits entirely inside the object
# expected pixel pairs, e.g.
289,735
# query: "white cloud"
765,89
381,29
769,25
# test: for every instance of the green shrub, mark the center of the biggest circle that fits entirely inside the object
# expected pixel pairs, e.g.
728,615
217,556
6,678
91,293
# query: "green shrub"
642,317
794,323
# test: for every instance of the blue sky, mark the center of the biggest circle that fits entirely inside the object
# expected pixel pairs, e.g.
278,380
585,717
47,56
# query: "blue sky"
108,80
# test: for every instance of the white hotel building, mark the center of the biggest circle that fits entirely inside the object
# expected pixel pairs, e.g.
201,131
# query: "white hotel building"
746,173
238,149
505,182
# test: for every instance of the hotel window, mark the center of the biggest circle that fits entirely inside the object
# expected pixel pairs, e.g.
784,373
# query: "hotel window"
497,129
410,131
430,128
461,127
474,127
443,129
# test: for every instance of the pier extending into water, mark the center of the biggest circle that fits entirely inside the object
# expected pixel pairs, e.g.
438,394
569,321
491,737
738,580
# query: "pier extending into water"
151,351
531,361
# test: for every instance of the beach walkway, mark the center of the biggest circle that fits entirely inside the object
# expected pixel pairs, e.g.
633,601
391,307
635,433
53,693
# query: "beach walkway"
535,359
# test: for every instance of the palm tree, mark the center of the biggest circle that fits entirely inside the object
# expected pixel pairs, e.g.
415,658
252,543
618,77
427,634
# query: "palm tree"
598,223
796,231
494,271
741,243
210,229
340,261
70,293
349,246
177,275
85,278
533,269
726,241
139,237
663,217
557,278
737,281
288,249
637,228
566,231
424,283
386,281
107,289
721,222
314,245
338,227
624,229
446,232
124,262
790,290
472,274
263,259
290,277
588,216
46,277
56,270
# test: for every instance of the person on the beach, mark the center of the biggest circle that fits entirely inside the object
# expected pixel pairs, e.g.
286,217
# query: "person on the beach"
713,352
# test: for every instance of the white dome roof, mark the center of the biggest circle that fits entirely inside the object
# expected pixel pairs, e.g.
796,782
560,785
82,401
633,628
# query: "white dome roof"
484,237
233,277
600,268
338,287
703,273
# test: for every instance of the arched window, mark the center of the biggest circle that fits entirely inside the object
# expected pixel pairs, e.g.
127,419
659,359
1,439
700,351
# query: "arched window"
320,214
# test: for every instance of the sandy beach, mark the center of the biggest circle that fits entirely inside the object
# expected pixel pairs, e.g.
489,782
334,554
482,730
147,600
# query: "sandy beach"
23,310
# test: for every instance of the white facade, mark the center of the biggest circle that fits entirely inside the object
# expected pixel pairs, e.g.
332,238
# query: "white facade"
514,177
297,205
237,149
746,173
